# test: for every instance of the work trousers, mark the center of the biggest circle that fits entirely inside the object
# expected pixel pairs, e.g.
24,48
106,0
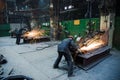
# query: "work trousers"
68,58
18,37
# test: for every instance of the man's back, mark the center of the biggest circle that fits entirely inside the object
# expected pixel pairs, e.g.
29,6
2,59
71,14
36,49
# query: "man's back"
64,45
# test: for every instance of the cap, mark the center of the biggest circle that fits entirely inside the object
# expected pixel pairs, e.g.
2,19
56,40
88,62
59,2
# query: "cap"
70,36
78,39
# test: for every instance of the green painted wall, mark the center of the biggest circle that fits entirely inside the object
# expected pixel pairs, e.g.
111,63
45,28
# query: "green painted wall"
116,38
47,30
81,28
46,27
4,30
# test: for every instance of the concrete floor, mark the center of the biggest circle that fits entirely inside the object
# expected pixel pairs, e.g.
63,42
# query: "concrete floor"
36,61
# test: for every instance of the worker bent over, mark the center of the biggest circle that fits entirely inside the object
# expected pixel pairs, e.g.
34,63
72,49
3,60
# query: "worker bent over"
64,49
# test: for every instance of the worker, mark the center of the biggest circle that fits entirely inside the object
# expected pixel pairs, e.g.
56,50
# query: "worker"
64,49
18,35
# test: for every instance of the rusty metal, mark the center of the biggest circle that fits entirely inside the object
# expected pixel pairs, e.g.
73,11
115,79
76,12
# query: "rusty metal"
41,39
88,60
92,51
35,35
93,43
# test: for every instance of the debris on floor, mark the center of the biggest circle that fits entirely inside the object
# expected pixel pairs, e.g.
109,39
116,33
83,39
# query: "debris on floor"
36,61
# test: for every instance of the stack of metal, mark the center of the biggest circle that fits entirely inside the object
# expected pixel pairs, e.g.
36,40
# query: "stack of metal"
2,61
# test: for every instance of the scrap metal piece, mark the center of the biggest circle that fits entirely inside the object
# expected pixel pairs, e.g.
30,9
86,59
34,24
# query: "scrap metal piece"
18,77
2,59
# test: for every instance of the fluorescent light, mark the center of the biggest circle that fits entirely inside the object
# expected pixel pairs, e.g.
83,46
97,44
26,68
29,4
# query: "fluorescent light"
65,7
70,6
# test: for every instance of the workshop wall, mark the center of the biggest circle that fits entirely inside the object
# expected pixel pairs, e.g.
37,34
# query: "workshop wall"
4,30
79,27
46,27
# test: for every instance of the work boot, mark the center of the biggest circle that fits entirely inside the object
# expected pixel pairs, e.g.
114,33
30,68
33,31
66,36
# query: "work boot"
55,67
71,75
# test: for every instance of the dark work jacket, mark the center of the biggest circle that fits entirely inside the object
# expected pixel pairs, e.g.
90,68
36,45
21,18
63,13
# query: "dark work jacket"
66,45
19,32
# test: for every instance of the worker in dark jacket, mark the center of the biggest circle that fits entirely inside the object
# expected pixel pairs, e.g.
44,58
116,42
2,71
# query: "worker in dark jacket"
64,49
18,35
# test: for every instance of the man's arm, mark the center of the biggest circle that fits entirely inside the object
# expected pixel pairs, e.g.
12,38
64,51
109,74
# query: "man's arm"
73,45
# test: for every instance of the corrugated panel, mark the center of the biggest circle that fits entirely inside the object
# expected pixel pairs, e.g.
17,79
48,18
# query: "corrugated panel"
4,30
4,26
4,33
